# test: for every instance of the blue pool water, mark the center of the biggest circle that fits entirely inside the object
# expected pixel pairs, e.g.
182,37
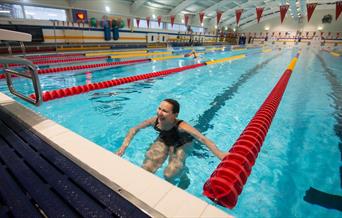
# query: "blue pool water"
301,149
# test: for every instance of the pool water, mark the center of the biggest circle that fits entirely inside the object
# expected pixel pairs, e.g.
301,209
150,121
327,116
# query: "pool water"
301,149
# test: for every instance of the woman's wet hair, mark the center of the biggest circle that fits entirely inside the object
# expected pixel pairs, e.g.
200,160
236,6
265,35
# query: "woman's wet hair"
174,103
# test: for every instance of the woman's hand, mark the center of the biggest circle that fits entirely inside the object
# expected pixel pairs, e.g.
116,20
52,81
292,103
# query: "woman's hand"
221,155
121,151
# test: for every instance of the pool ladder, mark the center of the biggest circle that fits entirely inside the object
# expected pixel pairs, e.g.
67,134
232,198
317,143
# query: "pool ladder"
30,72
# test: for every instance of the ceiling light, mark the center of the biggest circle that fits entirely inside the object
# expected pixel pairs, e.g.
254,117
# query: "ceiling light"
267,28
153,16
107,9
215,26
182,20
202,24
7,12
319,28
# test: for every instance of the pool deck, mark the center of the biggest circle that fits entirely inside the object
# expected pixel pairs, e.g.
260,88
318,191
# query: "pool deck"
149,193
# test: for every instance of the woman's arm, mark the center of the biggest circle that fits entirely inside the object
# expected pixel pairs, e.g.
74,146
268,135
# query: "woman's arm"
197,135
131,133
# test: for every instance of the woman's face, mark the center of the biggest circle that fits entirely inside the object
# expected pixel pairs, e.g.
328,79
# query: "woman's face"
165,113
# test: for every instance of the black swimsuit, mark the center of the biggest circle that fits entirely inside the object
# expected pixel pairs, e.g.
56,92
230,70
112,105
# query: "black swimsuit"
173,137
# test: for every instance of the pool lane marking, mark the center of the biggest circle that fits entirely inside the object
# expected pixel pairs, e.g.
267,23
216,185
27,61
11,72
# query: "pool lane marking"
203,122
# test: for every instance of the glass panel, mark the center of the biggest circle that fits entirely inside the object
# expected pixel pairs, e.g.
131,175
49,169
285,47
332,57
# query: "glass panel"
154,25
177,27
41,13
11,11
142,24
197,29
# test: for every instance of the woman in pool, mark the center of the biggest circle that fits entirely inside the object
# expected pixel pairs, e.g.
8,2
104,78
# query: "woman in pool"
175,136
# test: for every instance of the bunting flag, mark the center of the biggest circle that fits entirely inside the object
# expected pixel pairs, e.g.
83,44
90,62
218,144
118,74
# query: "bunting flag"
159,20
138,21
259,13
201,16
322,34
172,19
186,19
238,15
110,23
337,35
148,22
329,33
310,7
129,22
218,16
283,11
338,9
314,33
272,33
307,33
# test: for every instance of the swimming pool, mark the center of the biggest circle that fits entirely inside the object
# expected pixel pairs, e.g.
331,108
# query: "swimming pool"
300,151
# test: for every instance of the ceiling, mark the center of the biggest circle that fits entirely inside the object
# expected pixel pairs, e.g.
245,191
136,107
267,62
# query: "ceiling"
297,8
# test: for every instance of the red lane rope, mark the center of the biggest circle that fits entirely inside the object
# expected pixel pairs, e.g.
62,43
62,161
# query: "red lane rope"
83,67
54,61
75,90
52,56
226,182
68,60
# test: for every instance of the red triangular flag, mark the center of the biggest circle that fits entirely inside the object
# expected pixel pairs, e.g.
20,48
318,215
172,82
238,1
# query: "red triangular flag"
310,7
238,15
138,21
201,16
338,9
148,22
159,20
186,19
172,19
283,11
129,22
218,16
259,13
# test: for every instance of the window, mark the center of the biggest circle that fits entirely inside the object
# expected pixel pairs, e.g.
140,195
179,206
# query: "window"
142,23
176,27
11,11
41,13
154,25
197,29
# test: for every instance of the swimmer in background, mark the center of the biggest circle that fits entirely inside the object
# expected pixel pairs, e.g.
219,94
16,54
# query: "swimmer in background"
191,54
175,138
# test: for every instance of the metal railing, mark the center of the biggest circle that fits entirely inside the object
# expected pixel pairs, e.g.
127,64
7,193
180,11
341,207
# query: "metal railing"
30,72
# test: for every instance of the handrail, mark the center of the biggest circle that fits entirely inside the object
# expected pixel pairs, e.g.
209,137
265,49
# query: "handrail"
30,73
